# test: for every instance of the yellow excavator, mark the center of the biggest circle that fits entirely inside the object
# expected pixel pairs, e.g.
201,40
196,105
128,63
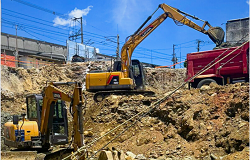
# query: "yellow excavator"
46,124
127,75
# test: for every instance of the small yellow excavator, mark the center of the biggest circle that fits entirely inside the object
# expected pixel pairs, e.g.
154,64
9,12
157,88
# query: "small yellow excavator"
46,123
127,76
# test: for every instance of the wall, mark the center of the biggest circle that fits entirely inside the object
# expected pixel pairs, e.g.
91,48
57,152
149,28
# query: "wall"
236,30
32,46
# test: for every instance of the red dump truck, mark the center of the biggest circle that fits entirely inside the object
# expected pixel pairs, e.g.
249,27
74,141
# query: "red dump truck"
233,68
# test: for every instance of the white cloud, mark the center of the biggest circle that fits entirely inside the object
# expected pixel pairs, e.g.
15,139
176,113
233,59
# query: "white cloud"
79,13
60,21
76,13
248,2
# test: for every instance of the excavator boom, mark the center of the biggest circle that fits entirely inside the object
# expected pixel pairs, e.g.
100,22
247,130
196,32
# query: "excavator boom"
128,75
216,34
51,94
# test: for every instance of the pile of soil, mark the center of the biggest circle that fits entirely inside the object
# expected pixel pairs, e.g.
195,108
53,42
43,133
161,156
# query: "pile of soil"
199,123
211,122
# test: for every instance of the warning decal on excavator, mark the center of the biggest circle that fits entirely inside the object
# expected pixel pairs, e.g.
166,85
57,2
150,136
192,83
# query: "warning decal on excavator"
113,79
56,95
146,30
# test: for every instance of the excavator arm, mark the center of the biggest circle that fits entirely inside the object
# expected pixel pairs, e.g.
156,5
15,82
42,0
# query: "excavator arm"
216,34
51,95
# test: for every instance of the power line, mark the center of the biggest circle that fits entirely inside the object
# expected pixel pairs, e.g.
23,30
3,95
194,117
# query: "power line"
96,35
24,15
84,31
40,8
49,11
155,52
46,22
89,32
46,30
104,45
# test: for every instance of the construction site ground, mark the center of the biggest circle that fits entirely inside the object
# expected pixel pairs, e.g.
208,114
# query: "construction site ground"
207,123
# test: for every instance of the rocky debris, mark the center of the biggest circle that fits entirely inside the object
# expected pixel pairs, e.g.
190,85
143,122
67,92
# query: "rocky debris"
162,80
140,157
206,123
130,154
88,133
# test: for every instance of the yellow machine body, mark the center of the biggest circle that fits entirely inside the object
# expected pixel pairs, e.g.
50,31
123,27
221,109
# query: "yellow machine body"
126,78
30,130
107,81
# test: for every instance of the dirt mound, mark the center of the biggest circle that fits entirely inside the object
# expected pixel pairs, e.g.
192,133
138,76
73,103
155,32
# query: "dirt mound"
162,80
211,122
199,123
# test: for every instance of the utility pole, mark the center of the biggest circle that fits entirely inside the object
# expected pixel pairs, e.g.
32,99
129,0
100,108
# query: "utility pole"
81,32
198,45
78,33
16,54
174,57
117,49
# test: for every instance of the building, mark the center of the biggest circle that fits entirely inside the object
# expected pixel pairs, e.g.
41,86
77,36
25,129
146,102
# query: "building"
35,53
31,52
237,30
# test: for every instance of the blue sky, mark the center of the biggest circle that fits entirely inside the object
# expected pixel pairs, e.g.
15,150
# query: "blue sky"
104,19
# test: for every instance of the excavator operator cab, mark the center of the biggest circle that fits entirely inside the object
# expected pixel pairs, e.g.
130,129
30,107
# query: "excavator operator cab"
59,126
136,72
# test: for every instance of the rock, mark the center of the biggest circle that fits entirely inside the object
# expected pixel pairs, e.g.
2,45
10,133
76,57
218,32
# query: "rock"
214,85
153,155
167,152
123,138
205,88
130,154
129,158
209,127
121,155
178,147
141,157
242,124
213,157
189,158
214,94
88,133
115,155
106,155
114,97
207,158
161,158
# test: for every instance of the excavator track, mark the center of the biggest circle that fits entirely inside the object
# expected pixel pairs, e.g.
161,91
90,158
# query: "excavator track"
101,95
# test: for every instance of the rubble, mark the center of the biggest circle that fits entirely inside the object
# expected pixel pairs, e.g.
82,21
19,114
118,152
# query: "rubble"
207,123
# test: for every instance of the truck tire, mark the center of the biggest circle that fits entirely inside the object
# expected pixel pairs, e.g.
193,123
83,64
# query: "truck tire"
205,82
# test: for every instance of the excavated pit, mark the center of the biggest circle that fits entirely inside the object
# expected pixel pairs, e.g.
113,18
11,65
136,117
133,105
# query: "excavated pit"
197,124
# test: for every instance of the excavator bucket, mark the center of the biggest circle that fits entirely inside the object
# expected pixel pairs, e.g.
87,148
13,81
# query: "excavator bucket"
216,34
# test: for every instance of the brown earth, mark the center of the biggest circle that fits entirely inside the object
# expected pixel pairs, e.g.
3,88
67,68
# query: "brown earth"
207,123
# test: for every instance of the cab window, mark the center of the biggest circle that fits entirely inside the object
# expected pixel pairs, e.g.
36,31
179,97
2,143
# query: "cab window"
136,70
32,111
